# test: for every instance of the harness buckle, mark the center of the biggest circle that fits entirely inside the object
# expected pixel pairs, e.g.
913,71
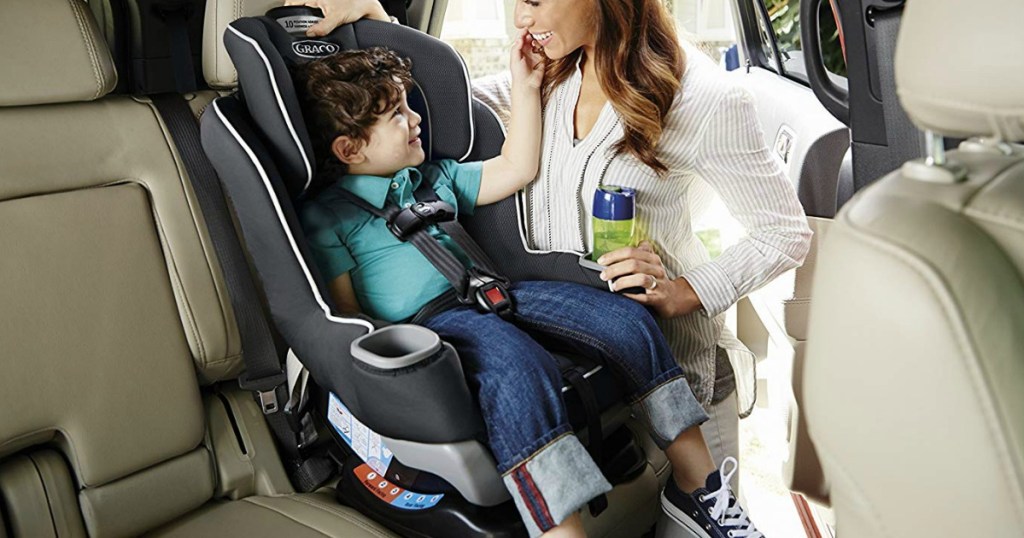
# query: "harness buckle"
491,294
413,218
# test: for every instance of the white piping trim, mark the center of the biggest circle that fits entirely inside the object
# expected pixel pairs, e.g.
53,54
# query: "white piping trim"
280,103
287,230
587,375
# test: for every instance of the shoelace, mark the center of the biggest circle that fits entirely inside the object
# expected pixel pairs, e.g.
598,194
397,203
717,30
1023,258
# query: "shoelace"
730,515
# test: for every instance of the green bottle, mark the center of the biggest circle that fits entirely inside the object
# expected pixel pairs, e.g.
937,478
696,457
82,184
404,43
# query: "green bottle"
613,225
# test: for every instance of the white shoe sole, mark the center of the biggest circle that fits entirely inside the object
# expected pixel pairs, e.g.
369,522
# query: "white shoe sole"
687,527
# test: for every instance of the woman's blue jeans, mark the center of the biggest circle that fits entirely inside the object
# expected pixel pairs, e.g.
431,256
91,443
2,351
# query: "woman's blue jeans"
546,469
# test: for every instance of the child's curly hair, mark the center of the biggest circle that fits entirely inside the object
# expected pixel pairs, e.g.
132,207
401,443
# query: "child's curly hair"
344,94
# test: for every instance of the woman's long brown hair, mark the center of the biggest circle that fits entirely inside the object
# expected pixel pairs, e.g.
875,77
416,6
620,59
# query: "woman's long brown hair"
639,65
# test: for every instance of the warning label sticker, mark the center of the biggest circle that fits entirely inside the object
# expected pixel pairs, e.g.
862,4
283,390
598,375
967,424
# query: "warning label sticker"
394,495
365,442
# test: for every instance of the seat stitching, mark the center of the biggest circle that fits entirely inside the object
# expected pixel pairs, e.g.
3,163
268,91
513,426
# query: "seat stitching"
344,515
995,218
90,50
251,501
175,275
231,358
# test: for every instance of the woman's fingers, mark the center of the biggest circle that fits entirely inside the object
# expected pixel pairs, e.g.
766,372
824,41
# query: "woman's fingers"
322,28
633,266
339,12
638,280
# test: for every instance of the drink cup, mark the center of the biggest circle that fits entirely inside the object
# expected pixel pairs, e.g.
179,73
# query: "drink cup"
613,219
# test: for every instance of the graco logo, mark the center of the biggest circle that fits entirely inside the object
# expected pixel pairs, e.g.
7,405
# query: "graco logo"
314,49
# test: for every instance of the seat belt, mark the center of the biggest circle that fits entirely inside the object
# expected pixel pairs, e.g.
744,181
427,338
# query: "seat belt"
480,284
176,15
263,375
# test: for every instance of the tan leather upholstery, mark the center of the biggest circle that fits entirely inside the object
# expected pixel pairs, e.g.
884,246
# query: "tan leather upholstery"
913,381
61,54
114,312
915,347
977,47
217,67
120,140
802,471
38,494
296,516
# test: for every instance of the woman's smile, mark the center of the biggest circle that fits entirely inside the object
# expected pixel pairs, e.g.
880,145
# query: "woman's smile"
541,38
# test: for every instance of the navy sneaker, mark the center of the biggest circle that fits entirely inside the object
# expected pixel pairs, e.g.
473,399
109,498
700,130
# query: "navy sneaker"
711,511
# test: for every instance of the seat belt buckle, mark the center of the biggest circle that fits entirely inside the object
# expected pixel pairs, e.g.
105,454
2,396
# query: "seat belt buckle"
265,389
491,294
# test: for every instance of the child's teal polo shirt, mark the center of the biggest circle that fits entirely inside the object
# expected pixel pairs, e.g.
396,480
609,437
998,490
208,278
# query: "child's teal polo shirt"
392,280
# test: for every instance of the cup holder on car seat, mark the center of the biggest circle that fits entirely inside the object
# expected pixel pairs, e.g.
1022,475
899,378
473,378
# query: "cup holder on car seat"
407,369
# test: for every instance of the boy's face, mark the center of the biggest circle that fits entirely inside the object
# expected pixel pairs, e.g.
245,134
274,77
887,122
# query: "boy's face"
394,144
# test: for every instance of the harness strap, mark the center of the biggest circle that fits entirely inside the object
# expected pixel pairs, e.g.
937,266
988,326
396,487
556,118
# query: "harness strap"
595,434
426,193
479,284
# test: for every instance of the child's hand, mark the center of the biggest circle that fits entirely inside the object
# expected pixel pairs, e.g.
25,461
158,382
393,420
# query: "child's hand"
527,63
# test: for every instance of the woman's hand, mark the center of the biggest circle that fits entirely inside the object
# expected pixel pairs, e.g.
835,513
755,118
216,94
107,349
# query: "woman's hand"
526,63
339,12
641,267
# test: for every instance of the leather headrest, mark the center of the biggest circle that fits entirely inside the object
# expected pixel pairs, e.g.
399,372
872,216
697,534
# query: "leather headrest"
217,67
265,52
960,67
53,52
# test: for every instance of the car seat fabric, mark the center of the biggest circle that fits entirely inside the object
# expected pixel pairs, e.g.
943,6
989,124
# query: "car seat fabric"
300,305
440,77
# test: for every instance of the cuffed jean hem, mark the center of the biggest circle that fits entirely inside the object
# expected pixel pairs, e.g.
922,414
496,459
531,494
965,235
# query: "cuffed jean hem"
670,409
554,483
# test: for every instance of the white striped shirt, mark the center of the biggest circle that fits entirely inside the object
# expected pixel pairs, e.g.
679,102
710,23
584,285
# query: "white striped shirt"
711,138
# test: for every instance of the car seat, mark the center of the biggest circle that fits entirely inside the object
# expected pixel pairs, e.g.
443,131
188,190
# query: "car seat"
419,407
912,385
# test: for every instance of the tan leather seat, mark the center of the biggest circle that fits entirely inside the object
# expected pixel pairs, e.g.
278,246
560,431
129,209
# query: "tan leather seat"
802,471
118,339
913,383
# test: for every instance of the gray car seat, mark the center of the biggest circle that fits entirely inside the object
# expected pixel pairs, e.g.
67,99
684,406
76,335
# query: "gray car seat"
258,143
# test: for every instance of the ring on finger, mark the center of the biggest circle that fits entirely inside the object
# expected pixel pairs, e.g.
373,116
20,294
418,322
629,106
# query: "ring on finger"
654,283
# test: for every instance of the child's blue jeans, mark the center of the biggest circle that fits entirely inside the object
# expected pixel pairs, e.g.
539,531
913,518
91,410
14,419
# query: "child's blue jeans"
546,469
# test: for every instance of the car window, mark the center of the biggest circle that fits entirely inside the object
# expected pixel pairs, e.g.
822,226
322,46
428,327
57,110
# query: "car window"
784,19
482,30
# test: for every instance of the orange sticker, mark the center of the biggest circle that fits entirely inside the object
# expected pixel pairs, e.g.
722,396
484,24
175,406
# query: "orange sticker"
377,484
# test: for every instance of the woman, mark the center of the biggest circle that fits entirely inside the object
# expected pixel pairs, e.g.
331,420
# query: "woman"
625,104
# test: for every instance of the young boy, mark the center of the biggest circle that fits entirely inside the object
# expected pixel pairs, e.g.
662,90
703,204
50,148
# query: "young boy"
356,104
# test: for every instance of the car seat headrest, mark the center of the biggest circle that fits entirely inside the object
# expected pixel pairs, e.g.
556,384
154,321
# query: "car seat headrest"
263,51
53,53
217,67
959,69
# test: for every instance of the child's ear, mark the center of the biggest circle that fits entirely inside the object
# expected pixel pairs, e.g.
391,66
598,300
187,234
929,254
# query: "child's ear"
348,150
